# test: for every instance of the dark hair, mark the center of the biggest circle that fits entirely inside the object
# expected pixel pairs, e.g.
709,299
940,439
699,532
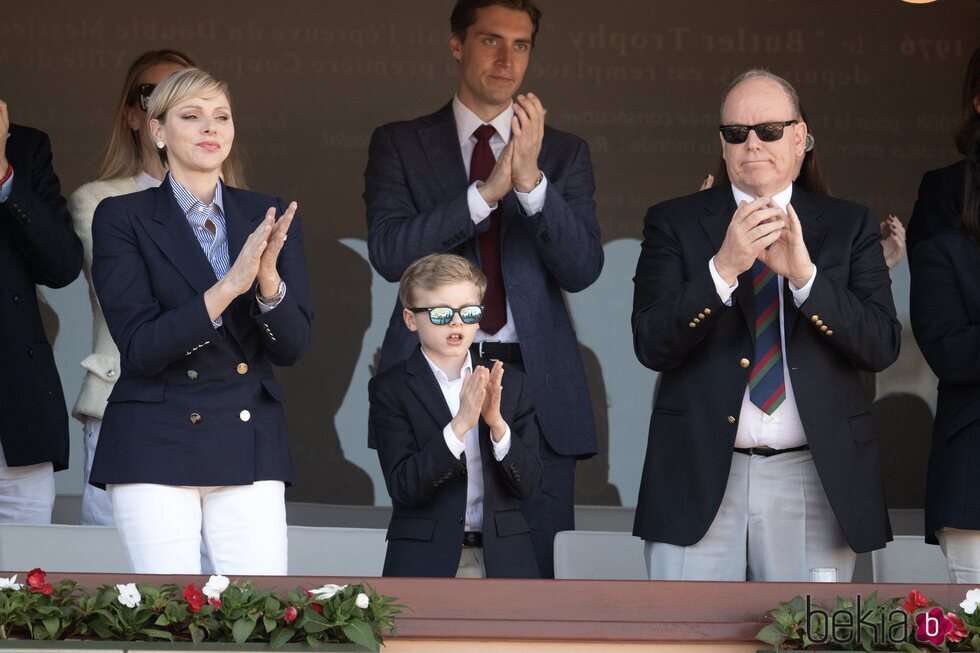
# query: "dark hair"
810,178
970,220
464,14
971,119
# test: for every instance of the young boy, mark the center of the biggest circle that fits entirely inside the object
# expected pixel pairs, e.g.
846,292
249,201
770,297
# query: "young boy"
458,447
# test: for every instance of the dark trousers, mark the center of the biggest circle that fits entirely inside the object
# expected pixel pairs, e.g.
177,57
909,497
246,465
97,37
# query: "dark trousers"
553,508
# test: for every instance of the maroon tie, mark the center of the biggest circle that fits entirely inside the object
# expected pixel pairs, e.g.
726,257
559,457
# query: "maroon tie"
495,300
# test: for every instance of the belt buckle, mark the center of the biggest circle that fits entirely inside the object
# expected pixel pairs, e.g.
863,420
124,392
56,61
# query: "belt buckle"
480,350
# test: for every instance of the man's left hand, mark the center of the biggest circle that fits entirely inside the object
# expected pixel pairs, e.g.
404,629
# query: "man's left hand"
527,132
788,256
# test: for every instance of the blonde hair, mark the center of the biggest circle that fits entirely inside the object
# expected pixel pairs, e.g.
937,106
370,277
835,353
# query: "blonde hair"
124,154
181,85
437,270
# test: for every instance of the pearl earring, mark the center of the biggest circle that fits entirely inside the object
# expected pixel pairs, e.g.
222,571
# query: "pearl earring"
160,145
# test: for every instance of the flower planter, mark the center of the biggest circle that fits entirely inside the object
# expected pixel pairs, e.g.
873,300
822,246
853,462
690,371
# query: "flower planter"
93,646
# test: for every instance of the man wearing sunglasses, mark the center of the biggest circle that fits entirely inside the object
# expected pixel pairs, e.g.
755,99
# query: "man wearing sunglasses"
760,303
37,246
484,177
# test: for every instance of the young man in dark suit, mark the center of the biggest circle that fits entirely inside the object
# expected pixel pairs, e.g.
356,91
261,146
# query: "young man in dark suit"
458,445
37,246
484,177
760,303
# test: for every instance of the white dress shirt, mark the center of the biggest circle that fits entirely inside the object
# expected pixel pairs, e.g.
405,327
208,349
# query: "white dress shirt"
468,122
470,443
783,429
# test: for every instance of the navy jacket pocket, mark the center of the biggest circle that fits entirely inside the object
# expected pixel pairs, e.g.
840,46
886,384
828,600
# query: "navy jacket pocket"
411,528
510,522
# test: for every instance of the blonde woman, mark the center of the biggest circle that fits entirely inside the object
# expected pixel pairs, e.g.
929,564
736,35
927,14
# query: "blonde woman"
203,294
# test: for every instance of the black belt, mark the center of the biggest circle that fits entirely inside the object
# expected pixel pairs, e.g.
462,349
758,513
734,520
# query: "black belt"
508,352
472,538
769,451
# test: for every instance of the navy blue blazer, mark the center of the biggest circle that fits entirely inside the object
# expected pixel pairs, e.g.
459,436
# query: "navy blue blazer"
194,405
37,246
427,483
682,329
945,315
938,206
415,193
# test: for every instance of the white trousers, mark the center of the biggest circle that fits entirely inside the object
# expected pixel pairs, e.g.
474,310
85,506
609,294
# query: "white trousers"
96,508
26,493
243,527
962,550
774,524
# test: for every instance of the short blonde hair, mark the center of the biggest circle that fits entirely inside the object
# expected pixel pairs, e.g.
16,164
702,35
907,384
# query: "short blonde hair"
436,270
181,85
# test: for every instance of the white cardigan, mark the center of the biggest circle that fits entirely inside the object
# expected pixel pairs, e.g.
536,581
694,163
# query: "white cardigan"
102,365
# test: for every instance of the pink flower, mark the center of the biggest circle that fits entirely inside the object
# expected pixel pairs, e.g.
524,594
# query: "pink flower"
289,614
35,581
194,597
959,630
214,602
932,627
317,607
914,601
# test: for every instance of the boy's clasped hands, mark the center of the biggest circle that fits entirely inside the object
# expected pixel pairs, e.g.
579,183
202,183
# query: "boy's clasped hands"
480,396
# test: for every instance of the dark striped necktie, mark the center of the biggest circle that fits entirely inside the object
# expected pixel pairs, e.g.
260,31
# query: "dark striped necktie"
767,386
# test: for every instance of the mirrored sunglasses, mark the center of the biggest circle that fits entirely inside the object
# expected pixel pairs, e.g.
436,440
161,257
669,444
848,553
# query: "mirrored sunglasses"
766,131
440,315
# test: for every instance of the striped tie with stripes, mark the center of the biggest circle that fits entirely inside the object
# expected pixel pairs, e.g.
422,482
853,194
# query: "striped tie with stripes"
767,387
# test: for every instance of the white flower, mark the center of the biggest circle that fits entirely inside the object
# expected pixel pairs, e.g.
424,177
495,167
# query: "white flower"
9,583
326,592
972,601
362,601
129,595
215,586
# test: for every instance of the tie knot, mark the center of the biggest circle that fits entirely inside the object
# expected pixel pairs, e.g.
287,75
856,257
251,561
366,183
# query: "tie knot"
484,133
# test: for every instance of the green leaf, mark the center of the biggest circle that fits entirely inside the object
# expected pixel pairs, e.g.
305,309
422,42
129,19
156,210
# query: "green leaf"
270,624
359,632
312,641
280,637
162,620
242,630
52,625
272,604
772,634
197,633
154,633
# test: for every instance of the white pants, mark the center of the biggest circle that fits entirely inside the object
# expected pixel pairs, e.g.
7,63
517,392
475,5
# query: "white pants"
26,493
96,508
962,550
243,527
774,524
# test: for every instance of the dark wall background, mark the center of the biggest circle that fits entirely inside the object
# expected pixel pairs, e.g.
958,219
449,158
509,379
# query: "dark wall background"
639,79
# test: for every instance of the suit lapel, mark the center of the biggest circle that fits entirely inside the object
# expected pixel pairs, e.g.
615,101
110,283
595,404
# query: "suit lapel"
426,389
814,231
238,222
440,144
171,232
719,205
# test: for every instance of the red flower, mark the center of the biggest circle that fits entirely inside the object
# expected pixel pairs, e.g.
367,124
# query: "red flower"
914,601
195,598
289,614
932,627
959,630
317,607
215,602
35,581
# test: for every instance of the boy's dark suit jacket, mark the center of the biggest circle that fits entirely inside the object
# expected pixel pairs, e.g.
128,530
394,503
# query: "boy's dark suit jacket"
427,483
37,246
194,405
945,314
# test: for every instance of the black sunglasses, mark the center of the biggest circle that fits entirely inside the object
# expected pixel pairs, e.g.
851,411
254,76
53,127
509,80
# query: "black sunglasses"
141,94
766,131
440,315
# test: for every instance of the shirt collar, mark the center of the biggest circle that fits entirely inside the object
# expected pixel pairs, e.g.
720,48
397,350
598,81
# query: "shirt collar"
440,375
781,198
188,201
467,122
